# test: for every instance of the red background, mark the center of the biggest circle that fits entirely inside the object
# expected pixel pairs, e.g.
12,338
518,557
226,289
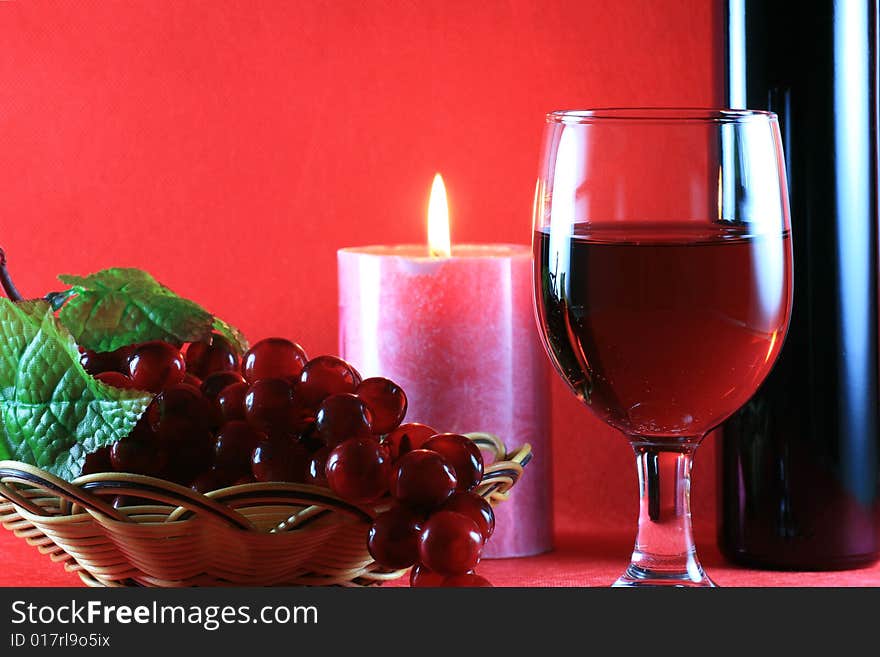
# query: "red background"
231,147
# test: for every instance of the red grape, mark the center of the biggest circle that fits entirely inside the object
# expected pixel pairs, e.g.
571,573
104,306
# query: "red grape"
450,543
309,438
213,479
394,538
268,405
406,438
192,380
215,383
343,417
462,454
116,380
182,402
236,442
204,358
273,358
143,431
386,400
280,459
189,453
98,461
303,398
230,401
302,415
358,469
421,577
423,480
467,580
177,429
156,365
474,507
316,470
96,362
137,456
324,376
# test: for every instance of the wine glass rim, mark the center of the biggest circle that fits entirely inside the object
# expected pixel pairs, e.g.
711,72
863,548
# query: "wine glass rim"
658,114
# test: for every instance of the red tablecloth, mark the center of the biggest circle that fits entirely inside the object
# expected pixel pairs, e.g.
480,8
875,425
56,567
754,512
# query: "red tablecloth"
594,559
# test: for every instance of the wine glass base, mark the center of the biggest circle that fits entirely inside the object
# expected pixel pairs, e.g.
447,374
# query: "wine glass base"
638,576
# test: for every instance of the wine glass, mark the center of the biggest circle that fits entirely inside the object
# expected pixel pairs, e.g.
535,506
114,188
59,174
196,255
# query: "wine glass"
662,264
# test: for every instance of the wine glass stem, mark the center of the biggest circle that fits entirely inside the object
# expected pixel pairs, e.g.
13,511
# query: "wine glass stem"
664,552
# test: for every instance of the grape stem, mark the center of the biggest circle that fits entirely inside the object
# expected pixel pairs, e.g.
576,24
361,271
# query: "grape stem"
6,280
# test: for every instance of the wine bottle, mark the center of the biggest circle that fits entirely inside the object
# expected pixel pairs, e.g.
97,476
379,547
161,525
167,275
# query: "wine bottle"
798,464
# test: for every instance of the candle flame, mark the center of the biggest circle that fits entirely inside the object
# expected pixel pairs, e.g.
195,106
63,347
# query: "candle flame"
438,220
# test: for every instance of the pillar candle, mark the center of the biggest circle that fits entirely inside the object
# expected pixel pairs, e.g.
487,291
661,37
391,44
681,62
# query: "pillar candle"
458,333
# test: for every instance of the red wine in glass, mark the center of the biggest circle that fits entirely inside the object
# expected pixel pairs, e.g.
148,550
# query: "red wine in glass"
662,264
663,330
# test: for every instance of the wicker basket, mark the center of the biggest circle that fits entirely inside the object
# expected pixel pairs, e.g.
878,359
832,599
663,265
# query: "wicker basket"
262,534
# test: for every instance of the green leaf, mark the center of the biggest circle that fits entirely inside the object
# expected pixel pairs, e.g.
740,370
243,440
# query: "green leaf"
52,412
111,279
235,337
117,307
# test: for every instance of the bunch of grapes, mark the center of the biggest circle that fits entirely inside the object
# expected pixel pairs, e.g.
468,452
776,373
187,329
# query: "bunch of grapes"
274,415
437,523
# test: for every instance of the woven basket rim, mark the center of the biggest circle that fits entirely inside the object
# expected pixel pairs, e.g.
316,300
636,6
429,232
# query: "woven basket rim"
71,523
